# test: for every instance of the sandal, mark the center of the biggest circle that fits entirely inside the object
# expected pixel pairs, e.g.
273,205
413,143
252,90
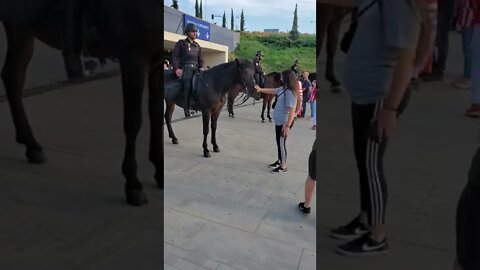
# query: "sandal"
462,84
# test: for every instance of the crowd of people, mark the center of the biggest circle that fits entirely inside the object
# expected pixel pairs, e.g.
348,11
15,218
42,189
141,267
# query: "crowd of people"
395,46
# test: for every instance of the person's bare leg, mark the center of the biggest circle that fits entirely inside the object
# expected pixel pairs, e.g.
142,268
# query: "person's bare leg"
309,188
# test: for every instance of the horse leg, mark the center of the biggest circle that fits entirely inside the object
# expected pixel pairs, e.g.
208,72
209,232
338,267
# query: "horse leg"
168,119
230,102
19,54
156,122
332,43
269,106
214,118
134,70
206,119
263,108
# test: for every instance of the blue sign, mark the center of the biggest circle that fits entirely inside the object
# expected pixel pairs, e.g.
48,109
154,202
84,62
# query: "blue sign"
202,26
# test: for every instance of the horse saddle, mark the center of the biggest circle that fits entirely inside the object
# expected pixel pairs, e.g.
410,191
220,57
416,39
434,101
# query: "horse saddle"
173,86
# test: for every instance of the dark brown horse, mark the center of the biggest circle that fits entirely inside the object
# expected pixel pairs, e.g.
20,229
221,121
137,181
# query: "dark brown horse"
210,95
330,14
272,80
121,29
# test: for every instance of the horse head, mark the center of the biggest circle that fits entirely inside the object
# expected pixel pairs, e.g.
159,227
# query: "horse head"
273,80
246,72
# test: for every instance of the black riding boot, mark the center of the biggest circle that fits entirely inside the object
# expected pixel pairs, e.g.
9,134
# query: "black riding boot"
72,39
187,86
73,65
187,89
258,80
186,107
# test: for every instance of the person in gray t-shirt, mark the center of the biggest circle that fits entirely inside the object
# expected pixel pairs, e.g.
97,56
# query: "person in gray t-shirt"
377,71
283,115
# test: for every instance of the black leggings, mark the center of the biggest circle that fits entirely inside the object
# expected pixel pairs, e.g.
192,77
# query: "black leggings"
281,146
312,166
369,157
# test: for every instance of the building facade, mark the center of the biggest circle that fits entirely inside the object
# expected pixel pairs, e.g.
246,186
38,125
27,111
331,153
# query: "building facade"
216,41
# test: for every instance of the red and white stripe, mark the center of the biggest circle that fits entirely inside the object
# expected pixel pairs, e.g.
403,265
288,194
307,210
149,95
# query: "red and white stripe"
465,15
468,14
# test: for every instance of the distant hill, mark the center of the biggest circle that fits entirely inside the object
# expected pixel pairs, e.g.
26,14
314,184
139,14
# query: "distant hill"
279,50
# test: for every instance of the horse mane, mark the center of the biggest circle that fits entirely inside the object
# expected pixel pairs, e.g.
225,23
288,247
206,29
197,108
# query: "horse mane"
222,66
276,75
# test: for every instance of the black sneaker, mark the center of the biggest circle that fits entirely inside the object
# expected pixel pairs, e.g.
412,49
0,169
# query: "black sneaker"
363,246
304,209
352,230
279,169
274,165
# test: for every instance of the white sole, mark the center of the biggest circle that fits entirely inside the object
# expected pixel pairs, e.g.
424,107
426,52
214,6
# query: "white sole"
344,237
364,254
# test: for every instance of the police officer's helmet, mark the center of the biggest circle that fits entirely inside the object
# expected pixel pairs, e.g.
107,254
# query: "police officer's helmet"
259,54
190,27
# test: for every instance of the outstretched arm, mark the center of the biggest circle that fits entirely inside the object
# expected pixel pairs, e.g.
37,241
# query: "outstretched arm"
270,91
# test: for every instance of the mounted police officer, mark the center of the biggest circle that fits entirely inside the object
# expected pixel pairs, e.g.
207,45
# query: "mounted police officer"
259,74
186,61
294,67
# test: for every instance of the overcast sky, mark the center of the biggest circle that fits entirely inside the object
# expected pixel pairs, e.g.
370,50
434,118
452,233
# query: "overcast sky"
259,15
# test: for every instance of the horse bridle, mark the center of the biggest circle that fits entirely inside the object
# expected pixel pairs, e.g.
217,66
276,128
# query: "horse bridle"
245,88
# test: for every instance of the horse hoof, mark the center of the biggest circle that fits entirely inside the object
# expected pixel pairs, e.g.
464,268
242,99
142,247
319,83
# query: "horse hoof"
263,120
175,141
206,154
136,197
269,119
36,157
216,150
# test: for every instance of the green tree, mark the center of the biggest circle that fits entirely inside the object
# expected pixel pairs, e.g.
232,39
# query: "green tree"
224,20
242,22
201,10
175,4
294,34
232,22
197,11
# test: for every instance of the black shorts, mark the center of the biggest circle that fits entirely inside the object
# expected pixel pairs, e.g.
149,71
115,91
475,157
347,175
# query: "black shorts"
312,168
468,233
